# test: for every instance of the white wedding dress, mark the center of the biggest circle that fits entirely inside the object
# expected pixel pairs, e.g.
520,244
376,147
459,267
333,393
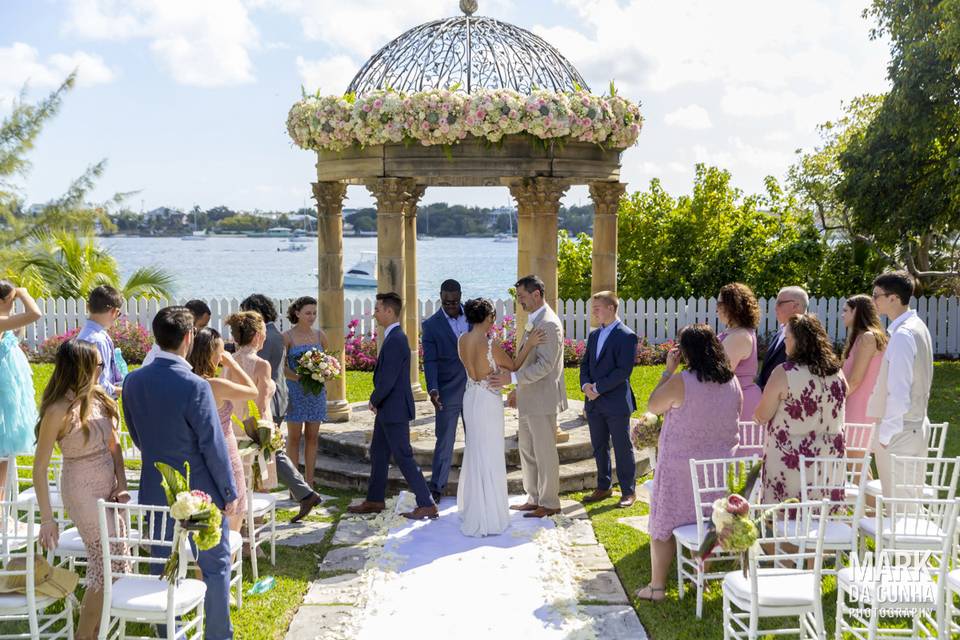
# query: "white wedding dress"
482,491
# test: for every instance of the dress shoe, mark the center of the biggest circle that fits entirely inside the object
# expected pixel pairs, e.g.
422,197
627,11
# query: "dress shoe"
541,512
627,500
367,507
306,506
423,513
524,507
598,495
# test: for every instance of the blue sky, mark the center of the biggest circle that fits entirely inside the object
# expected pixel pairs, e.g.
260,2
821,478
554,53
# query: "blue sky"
187,99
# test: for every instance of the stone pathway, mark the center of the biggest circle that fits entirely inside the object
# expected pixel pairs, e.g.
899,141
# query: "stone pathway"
331,601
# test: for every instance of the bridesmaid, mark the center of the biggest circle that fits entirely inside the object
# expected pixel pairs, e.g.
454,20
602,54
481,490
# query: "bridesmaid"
738,309
77,415
18,403
206,357
305,411
862,355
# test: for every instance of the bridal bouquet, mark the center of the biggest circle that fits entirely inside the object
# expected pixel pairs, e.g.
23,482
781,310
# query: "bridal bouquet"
315,367
731,528
645,432
194,511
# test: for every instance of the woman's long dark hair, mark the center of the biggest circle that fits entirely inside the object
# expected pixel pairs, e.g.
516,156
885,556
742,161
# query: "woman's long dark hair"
865,320
704,355
811,346
206,345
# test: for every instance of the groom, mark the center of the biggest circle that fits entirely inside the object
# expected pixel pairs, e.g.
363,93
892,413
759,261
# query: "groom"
540,395
392,403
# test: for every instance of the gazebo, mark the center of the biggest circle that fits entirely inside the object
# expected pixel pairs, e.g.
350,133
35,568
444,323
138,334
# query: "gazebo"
418,115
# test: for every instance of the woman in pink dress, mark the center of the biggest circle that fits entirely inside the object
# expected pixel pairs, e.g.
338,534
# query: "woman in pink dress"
82,419
738,309
862,355
700,407
206,357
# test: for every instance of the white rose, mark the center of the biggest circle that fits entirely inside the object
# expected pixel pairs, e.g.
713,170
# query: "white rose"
720,516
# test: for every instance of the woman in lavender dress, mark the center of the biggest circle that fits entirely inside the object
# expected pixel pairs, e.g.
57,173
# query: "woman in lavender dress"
738,309
700,407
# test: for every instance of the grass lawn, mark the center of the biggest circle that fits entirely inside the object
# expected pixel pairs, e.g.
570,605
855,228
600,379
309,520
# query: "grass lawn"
267,616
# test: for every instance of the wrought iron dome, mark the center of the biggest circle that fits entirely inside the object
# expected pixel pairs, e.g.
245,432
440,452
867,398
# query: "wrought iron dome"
468,52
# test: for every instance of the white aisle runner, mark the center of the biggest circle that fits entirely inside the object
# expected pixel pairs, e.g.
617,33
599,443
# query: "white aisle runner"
432,578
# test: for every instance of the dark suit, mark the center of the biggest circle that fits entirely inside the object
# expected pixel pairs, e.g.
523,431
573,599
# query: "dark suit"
609,415
172,418
393,400
444,373
773,358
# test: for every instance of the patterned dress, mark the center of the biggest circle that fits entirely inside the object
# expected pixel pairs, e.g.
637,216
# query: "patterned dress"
303,406
225,411
808,422
18,405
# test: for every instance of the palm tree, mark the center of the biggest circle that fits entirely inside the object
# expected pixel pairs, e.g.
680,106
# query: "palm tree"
62,265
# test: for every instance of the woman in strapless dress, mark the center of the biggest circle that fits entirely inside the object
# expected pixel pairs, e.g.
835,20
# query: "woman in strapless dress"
738,309
862,355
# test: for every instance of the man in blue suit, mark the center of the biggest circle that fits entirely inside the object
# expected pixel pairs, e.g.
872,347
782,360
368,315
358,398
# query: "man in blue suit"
446,378
172,418
392,403
605,380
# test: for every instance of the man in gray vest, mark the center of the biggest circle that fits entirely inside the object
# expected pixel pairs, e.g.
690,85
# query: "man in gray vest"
900,397
273,352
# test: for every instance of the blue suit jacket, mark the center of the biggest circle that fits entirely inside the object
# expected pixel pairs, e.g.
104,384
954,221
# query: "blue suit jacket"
611,371
172,418
441,362
392,395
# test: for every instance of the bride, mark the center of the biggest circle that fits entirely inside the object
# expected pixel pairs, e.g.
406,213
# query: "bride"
482,492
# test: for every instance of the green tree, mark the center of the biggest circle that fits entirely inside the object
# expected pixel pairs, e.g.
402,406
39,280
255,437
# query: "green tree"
575,266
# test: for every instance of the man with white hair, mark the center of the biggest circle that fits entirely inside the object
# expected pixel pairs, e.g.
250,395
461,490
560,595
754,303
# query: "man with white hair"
790,302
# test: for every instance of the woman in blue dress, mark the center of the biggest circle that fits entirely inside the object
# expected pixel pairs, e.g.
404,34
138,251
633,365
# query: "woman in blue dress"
18,402
305,411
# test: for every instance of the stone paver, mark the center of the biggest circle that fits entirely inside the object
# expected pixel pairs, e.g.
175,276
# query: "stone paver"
591,558
311,620
344,589
580,532
301,533
615,623
640,523
602,586
573,509
353,531
344,559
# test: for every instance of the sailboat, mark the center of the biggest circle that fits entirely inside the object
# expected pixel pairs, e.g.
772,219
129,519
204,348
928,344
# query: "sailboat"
425,237
196,235
506,237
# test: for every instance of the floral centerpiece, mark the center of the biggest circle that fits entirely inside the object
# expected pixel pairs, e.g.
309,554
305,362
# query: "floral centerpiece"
731,528
194,511
315,368
645,432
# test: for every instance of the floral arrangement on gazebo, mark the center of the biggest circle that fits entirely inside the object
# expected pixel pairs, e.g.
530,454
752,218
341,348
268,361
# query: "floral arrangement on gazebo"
447,116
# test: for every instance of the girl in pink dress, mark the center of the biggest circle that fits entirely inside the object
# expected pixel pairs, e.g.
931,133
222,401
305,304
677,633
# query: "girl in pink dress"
78,415
862,355
205,358
738,309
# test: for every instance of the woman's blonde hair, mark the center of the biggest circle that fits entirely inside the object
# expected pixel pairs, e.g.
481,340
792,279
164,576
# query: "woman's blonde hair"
245,326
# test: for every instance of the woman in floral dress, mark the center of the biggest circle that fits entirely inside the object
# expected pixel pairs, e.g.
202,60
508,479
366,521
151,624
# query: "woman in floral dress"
803,407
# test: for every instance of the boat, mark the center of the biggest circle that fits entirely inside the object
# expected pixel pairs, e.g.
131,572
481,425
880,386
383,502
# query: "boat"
363,273
425,238
272,232
293,247
504,237
197,234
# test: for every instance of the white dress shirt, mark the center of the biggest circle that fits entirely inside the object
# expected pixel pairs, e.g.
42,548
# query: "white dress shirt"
386,332
900,353
532,319
458,325
166,355
151,355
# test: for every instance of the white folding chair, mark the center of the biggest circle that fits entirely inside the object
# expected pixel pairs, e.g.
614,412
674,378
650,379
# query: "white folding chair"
892,578
777,583
949,616
750,441
138,596
16,473
645,489
709,481
262,507
18,550
936,442
828,479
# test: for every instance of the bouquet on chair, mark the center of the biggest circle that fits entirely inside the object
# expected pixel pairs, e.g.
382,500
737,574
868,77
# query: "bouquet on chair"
315,367
731,528
194,511
645,432
265,440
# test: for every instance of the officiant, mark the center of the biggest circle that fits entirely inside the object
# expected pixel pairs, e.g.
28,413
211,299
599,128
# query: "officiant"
446,378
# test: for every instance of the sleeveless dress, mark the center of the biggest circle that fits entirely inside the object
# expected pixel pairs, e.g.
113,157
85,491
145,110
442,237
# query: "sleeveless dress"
482,501
18,403
303,406
746,372
87,476
808,422
225,411
856,411
704,427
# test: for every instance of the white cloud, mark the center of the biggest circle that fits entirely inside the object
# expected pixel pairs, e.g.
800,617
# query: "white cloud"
756,102
198,43
20,63
690,117
329,75
678,167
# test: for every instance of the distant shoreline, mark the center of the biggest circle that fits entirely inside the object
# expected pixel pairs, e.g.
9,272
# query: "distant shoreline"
245,236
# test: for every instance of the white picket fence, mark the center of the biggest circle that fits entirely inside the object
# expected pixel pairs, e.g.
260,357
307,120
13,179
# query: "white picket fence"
658,319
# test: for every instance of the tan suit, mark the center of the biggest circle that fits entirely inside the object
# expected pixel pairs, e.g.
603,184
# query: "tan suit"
541,394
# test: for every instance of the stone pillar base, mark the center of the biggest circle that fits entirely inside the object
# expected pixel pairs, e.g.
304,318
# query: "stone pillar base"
338,411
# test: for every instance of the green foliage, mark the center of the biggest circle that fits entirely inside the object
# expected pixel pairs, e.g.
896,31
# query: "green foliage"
244,222
575,266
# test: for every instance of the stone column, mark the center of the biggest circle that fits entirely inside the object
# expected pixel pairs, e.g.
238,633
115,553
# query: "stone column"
525,239
411,323
329,197
606,201
391,194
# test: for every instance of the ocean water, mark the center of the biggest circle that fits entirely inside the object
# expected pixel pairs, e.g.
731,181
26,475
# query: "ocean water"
236,267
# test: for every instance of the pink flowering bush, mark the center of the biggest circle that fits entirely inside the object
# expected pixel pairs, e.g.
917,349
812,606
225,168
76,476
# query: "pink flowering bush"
648,354
573,352
133,340
359,350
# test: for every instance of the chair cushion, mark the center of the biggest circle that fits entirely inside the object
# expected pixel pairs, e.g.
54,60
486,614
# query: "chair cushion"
910,531
71,544
874,489
908,592
236,541
776,587
10,602
686,535
837,533
149,594
263,502
29,495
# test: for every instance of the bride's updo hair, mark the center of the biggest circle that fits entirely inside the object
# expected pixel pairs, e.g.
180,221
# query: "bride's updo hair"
478,310
244,326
